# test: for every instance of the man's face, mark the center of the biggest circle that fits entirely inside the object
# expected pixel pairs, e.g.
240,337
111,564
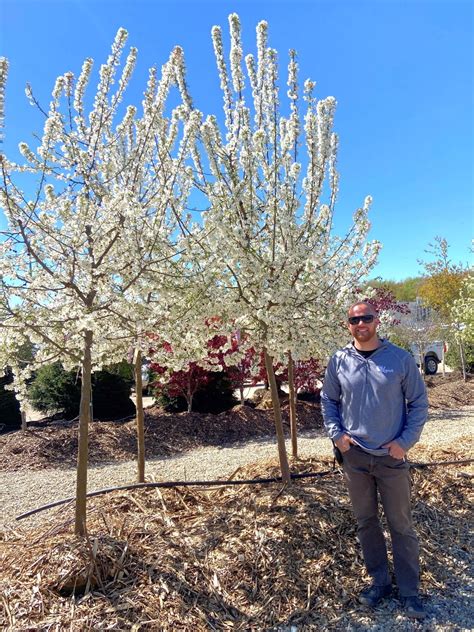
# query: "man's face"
363,332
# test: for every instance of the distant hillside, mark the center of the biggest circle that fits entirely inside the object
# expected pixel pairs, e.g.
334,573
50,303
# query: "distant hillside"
406,290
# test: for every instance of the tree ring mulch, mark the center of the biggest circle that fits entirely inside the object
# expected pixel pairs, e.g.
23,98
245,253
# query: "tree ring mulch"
230,558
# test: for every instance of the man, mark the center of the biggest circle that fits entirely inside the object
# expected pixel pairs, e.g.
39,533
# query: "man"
374,406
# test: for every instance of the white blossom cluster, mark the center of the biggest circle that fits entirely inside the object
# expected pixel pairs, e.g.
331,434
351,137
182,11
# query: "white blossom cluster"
3,80
284,277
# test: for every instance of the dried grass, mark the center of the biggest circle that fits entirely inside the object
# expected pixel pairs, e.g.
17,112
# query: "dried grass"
247,558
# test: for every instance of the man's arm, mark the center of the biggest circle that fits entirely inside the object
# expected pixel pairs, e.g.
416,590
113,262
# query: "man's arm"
414,390
330,398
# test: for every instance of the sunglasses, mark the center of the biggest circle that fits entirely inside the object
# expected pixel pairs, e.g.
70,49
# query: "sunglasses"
355,320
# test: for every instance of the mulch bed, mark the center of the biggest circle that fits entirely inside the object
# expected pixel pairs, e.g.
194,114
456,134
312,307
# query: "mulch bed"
53,443
450,391
243,558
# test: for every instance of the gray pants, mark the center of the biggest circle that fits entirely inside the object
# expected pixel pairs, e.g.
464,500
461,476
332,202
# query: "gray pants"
365,474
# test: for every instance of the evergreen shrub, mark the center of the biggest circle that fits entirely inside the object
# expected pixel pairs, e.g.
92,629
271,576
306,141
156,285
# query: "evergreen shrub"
55,390
10,416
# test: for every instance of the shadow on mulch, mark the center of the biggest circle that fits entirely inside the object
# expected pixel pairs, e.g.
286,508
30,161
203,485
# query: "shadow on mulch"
449,391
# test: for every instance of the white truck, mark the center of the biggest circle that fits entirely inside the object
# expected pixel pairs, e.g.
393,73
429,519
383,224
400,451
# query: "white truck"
432,354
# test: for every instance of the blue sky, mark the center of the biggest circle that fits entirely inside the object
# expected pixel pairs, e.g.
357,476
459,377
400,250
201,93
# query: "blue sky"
401,71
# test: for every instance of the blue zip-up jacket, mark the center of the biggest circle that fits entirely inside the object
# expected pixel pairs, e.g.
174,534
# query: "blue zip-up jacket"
376,399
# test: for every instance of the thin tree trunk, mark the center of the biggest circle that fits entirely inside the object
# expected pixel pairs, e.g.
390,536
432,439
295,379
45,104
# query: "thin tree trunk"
285,470
23,420
140,417
84,419
292,398
242,398
463,361
189,398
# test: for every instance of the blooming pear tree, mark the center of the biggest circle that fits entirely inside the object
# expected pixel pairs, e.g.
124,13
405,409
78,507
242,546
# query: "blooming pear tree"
462,318
272,190
463,309
78,252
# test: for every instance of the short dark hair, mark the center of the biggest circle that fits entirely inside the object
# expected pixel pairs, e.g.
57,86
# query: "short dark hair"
367,304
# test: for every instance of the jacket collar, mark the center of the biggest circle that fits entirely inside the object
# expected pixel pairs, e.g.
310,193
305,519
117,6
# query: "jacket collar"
351,348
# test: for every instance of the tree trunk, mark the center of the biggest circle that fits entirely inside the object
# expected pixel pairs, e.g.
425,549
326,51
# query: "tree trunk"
285,470
463,360
242,398
84,419
422,364
292,398
23,419
140,417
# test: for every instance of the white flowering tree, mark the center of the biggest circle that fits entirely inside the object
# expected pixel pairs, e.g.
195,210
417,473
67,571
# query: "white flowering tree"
272,190
462,317
78,252
463,309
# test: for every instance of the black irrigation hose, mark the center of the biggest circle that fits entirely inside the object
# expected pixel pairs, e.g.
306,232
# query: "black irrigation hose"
171,484
253,481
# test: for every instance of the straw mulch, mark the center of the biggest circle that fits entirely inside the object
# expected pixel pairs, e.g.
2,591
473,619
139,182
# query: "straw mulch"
233,558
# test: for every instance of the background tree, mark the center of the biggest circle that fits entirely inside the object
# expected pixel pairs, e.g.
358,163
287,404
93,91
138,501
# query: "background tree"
389,309
240,373
462,314
441,288
203,385
405,290
442,278
417,331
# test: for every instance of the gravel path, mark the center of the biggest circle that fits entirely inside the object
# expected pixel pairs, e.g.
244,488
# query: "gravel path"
21,491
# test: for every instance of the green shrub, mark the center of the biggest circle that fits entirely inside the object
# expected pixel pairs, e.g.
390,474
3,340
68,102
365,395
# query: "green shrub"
170,404
10,416
55,390
453,357
216,396
111,395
